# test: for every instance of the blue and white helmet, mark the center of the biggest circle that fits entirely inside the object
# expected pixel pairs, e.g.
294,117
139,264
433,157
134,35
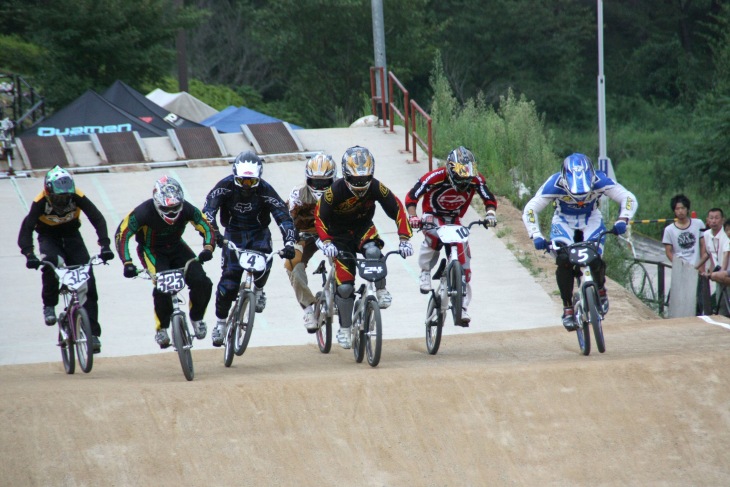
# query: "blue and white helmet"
578,176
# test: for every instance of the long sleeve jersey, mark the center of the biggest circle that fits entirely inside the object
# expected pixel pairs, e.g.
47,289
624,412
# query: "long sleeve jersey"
248,212
154,235
63,222
339,211
576,213
442,199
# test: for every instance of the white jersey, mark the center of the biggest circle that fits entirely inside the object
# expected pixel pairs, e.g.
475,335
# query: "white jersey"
685,242
571,215
716,246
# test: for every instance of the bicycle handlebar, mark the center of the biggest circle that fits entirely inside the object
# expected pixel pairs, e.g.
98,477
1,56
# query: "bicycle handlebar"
148,276
597,239
93,260
234,247
433,225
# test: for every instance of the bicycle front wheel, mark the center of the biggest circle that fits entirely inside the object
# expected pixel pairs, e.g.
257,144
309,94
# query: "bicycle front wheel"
373,334
181,339
434,325
595,317
583,332
68,355
456,290
324,323
358,334
229,339
246,315
84,341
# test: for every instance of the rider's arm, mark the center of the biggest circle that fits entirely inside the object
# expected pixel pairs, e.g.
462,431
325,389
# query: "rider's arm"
322,215
280,212
198,220
95,217
125,231
490,202
25,236
213,202
539,202
623,197
393,208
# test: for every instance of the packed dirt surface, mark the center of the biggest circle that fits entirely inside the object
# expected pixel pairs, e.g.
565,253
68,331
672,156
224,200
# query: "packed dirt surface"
500,408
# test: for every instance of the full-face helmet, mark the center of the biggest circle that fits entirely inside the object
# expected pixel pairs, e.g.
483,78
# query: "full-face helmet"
59,187
168,199
577,176
358,166
320,172
247,170
460,168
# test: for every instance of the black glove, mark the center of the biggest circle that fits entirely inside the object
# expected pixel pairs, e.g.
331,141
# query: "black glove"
219,240
130,270
32,262
106,253
288,251
205,255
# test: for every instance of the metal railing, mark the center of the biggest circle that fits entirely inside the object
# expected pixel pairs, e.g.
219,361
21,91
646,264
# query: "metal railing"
426,145
377,101
403,115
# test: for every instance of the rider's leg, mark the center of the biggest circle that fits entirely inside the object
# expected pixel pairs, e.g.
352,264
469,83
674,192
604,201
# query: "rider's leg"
201,288
564,275
345,299
50,248
371,250
296,269
77,254
428,255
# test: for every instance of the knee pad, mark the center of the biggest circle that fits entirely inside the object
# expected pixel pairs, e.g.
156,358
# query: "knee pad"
345,291
371,251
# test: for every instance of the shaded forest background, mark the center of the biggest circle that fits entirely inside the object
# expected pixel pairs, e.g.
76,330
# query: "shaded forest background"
530,65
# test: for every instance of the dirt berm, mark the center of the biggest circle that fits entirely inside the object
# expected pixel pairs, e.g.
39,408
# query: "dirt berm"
503,408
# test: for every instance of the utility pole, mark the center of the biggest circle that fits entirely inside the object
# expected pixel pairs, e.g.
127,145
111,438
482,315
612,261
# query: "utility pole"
379,47
182,53
604,163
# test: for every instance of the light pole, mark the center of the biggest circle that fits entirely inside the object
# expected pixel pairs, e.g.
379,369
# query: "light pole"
604,163
379,48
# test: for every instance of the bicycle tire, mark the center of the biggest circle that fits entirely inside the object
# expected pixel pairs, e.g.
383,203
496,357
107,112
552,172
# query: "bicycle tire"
84,340
641,284
68,354
456,290
229,338
583,332
181,339
434,326
595,318
358,335
244,328
324,323
373,331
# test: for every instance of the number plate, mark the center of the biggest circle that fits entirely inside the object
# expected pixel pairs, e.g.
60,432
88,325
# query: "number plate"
252,261
74,278
372,269
170,282
453,233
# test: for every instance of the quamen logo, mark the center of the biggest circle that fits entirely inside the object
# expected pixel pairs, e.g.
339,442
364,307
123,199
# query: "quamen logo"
84,130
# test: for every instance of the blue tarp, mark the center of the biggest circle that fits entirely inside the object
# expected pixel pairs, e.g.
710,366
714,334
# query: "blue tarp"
230,119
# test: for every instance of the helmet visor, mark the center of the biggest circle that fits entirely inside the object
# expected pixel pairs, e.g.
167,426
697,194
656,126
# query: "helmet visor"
60,199
247,182
170,211
319,184
359,181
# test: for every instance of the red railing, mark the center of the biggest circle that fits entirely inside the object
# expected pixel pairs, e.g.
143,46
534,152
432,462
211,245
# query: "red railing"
376,100
409,114
417,139
393,81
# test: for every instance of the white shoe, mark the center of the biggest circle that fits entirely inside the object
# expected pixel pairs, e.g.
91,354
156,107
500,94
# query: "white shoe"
200,329
219,332
309,323
465,318
260,300
384,298
425,282
344,338
162,338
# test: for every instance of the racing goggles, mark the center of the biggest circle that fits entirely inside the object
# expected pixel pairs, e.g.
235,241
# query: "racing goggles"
319,184
245,182
170,211
359,181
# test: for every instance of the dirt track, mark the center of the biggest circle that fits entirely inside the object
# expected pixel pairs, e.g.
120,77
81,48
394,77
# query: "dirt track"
507,408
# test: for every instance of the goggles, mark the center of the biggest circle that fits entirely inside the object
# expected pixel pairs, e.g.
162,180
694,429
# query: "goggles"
170,211
247,182
319,184
359,181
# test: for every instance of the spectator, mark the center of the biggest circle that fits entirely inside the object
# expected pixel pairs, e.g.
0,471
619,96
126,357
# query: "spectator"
713,252
722,278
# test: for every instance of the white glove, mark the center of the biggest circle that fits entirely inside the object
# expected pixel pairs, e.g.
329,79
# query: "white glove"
491,219
329,249
405,248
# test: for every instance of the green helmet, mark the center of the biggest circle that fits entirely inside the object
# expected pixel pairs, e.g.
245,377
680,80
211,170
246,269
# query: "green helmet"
59,187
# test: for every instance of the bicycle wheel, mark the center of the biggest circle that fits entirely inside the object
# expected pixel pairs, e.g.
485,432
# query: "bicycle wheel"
230,337
595,317
181,340
358,335
434,325
67,350
456,296
641,284
246,315
373,334
583,332
324,323
84,341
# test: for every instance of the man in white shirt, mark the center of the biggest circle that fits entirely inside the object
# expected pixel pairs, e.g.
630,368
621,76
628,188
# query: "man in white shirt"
713,252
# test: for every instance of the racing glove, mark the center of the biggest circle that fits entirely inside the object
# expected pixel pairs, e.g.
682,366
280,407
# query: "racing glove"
130,270
288,252
32,261
491,219
205,255
405,248
539,242
106,253
329,249
619,227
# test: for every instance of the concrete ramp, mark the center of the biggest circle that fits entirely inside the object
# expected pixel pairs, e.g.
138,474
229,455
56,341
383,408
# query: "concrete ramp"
272,138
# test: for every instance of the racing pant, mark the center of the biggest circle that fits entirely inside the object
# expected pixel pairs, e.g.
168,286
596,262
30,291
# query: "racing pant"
296,269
